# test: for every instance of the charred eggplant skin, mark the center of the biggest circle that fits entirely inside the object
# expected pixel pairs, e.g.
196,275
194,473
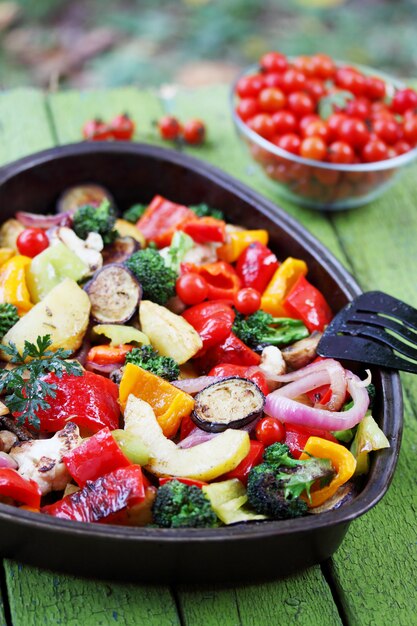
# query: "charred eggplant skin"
120,250
235,400
81,195
114,293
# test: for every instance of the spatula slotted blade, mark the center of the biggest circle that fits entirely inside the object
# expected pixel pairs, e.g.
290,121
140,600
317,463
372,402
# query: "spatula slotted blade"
376,329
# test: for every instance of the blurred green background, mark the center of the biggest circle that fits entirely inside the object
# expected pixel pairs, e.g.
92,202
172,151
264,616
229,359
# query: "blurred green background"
103,43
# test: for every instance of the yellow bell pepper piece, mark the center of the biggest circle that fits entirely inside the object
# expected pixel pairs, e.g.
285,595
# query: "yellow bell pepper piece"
6,254
281,284
238,241
13,287
342,460
169,403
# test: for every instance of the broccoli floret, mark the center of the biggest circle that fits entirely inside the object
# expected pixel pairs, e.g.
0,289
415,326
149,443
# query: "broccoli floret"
157,280
101,219
8,318
275,486
182,506
203,210
261,329
135,212
149,359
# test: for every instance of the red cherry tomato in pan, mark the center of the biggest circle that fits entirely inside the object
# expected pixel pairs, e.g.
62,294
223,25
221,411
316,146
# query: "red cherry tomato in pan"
247,301
122,127
270,430
32,241
192,288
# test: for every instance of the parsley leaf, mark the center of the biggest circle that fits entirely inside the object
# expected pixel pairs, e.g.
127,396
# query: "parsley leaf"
25,384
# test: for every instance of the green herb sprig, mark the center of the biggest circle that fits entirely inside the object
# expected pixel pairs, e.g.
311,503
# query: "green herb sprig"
25,384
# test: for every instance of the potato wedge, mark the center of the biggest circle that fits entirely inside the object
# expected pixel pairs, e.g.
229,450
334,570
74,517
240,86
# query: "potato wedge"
127,229
63,314
9,232
205,461
169,333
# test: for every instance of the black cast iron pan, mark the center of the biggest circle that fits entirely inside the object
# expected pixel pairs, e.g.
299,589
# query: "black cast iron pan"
135,173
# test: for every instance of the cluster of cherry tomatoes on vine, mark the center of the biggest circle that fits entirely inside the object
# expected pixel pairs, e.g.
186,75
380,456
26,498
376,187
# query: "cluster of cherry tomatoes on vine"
313,108
122,128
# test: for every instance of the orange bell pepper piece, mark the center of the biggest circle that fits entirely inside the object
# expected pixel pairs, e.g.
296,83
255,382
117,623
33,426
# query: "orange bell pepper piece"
238,241
342,460
280,284
13,287
169,403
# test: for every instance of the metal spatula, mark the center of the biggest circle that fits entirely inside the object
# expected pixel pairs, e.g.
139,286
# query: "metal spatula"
374,328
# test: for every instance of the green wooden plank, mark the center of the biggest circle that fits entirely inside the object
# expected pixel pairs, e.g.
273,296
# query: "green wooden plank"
41,597
24,124
303,599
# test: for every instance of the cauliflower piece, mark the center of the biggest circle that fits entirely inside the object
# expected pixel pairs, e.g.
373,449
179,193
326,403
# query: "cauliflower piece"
89,250
41,459
201,254
272,364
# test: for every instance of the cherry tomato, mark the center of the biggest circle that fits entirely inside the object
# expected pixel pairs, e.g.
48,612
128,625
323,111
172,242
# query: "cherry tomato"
289,142
351,80
324,66
293,80
169,128
387,129
247,108
403,100
284,122
340,152
247,301
32,241
304,64
315,88
317,128
334,122
122,127
249,86
375,150
354,132
359,107
270,430
192,288
271,99
401,147
313,148
300,103
263,125
374,88
273,62
410,129
97,130
194,132
273,80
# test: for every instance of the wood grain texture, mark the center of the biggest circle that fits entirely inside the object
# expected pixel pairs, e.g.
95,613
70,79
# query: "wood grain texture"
304,599
42,597
24,125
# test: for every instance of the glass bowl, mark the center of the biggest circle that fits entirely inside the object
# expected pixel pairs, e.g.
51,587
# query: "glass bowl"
316,184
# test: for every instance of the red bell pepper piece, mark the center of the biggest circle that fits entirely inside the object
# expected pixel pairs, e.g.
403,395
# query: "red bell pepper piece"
187,425
95,457
187,481
307,303
106,354
253,457
13,485
256,266
103,497
228,369
205,230
222,280
161,219
90,400
231,350
296,437
320,394
212,320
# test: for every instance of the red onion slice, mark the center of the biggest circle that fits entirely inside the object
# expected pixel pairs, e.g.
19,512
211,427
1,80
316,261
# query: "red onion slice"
196,436
104,370
195,385
35,220
280,405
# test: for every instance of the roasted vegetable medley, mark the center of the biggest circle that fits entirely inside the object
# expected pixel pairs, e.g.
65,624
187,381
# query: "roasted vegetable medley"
159,368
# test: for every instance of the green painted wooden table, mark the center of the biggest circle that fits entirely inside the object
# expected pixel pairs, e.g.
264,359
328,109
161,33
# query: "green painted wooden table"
372,577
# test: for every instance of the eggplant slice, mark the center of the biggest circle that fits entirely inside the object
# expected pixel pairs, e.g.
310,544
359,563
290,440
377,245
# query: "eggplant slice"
230,403
81,195
120,250
114,294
